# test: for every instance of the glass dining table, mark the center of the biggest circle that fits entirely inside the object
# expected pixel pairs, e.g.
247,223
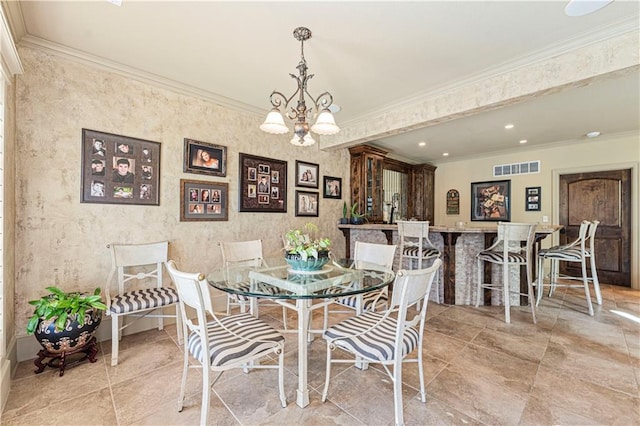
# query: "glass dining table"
297,290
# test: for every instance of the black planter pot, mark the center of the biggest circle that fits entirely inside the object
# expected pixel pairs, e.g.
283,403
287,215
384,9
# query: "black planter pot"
344,221
357,220
73,337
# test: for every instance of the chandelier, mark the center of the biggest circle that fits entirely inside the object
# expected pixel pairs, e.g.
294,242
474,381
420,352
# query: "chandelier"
325,123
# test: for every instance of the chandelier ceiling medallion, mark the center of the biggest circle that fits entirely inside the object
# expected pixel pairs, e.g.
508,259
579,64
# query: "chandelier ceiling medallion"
325,123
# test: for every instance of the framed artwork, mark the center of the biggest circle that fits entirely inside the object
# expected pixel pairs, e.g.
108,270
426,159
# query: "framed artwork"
263,184
205,158
119,169
307,174
202,200
332,187
490,201
306,203
532,198
453,201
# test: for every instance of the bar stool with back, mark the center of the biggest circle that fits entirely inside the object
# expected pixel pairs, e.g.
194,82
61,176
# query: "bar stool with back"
416,246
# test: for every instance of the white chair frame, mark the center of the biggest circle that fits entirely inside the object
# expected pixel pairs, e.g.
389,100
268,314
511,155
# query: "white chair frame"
388,329
133,263
416,246
580,250
194,293
508,250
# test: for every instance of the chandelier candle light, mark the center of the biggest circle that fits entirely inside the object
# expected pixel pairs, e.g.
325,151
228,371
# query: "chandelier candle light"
325,123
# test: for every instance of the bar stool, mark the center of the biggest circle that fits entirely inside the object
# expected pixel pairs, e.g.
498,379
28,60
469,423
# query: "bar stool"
513,246
577,251
416,247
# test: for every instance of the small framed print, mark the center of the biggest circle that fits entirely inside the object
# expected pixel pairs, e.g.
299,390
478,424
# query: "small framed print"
205,158
490,201
203,201
332,187
263,184
307,174
119,169
306,203
532,198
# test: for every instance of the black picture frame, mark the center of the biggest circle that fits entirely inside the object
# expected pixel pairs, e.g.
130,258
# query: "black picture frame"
307,203
203,201
105,156
307,174
532,198
263,184
491,201
332,187
216,163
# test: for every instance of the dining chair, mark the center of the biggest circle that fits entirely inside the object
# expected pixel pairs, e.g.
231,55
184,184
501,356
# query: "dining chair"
371,256
138,271
389,337
580,250
220,343
416,247
245,253
513,247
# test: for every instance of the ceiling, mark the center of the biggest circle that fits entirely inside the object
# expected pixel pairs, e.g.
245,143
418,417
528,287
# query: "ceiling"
369,55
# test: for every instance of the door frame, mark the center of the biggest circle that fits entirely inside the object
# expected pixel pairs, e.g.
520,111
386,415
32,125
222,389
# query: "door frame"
635,202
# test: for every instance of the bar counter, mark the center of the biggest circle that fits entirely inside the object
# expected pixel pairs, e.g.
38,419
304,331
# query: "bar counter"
458,245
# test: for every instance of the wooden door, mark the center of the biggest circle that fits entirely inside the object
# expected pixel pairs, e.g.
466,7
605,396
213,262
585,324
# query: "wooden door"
603,196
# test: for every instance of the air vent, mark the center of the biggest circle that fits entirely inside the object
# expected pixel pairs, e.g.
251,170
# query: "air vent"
517,169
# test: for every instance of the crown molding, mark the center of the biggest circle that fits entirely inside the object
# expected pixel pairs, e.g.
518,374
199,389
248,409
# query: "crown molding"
97,62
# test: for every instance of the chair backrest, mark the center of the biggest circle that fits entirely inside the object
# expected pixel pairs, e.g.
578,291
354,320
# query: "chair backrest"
414,233
591,237
410,287
370,255
193,291
511,236
124,256
242,253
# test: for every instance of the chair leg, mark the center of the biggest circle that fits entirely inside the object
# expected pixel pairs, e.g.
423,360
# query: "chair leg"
594,278
397,392
505,294
115,337
206,394
423,393
283,398
553,276
179,323
540,280
185,372
480,280
531,297
327,374
585,281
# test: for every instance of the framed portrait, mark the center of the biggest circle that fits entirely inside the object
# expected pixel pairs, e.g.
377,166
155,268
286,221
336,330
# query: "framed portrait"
119,169
307,174
332,187
306,203
532,198
490,201
205,158
203,200
263,184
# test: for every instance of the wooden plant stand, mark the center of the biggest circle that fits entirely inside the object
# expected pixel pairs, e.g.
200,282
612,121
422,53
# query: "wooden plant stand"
59,360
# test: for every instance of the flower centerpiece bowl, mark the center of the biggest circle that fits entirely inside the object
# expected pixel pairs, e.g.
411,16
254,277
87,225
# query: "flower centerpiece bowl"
303,251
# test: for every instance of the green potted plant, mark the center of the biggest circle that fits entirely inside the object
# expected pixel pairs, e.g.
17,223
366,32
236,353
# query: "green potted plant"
304,251
65,321
345,214
356,217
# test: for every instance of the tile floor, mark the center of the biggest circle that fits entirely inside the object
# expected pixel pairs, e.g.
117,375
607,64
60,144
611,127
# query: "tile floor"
569,369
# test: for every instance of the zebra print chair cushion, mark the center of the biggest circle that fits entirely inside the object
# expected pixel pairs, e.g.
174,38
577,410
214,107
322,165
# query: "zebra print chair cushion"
245,287
368,300
249,337
140,300
427,252
375,344
571,254
496,257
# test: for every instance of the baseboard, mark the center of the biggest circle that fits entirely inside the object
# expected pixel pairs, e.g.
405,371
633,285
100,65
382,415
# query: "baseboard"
5,383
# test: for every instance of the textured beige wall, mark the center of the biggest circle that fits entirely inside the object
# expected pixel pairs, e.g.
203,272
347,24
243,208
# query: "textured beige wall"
62,242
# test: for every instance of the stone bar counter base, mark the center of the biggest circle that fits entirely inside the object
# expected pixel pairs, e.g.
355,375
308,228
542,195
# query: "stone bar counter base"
459,246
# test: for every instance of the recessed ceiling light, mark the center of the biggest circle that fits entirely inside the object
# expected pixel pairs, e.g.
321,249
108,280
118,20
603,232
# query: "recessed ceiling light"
523,141
509,126
445,154
422,144
584,7
592,134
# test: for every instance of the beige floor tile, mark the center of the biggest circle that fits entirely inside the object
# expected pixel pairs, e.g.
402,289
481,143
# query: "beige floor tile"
457,329
538,413
138,360
509,344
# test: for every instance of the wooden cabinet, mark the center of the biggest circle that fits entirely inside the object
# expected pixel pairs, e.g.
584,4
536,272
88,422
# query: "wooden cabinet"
366,180
367,165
